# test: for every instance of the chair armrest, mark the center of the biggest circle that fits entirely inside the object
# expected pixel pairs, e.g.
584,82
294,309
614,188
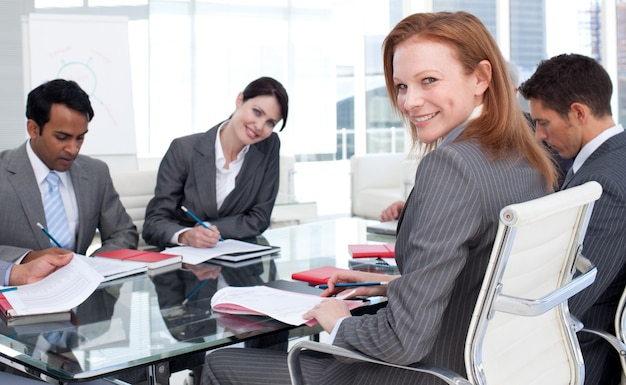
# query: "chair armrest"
535,307
610,338
295,371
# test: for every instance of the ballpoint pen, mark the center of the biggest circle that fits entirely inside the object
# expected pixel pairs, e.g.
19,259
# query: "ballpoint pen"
49,235
9,288
195,218
194,292
354,284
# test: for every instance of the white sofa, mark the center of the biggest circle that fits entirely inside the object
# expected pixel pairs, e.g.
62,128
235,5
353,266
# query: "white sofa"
378,180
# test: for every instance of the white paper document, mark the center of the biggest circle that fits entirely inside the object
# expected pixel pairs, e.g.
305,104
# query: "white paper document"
111,268
282,305
195,256
61,291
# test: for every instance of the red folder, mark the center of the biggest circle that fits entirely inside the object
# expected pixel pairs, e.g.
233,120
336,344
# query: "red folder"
318,275
152,259
382,250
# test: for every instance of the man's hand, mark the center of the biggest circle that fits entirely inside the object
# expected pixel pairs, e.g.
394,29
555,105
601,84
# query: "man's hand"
38,267
392,212
34,254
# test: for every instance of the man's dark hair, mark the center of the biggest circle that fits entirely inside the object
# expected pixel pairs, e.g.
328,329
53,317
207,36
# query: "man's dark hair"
569,78
58,91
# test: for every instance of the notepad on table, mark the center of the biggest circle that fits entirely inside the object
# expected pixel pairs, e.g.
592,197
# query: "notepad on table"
238,250
151,259
386,228
372,250
282,305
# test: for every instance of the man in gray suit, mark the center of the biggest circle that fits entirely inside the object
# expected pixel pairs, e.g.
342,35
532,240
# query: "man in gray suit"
570,99
58,113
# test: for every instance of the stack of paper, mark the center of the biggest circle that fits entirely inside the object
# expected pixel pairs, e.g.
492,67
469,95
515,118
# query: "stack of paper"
59,292
282,305
229,249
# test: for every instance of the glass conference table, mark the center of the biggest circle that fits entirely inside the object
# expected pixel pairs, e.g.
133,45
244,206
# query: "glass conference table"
136,329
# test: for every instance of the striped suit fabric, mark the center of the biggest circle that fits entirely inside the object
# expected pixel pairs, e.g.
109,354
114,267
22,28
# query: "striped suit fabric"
605,246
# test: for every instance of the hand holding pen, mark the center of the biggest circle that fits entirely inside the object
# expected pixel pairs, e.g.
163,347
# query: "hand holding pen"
198,236
359,282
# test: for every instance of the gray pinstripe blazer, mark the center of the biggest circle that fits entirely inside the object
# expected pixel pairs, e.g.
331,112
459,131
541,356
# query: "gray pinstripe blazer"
605,246
187,177
445,237
98,207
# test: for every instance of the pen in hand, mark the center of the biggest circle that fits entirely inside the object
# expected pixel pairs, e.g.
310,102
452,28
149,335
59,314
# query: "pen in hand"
195,218
49,235
354,284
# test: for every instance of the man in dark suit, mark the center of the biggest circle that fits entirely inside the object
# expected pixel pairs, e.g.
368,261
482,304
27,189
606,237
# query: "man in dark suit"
570,99
58,114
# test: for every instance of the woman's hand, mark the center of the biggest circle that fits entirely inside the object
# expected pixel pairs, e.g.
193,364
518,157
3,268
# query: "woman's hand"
328,312
200,237
358,276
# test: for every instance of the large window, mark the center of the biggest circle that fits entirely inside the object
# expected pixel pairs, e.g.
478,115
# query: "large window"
190,58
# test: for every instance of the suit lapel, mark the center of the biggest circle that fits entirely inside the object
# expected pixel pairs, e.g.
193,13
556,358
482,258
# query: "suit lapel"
80,183
204,154
609,145
22,179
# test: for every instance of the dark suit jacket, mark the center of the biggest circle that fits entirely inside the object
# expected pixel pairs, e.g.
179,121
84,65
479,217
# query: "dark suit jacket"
187,178
99,207
605,246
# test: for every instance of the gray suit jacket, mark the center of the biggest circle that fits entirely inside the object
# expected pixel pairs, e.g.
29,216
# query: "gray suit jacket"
99,207
445,236
187,178
605,246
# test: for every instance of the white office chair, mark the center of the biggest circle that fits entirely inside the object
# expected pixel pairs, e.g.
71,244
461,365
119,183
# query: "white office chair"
521,331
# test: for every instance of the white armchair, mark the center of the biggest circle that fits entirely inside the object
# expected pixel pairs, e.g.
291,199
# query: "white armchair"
378,180
136,188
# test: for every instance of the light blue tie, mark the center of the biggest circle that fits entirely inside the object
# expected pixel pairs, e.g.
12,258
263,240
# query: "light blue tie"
55,212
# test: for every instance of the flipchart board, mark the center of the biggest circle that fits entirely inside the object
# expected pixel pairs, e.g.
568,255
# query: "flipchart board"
94,52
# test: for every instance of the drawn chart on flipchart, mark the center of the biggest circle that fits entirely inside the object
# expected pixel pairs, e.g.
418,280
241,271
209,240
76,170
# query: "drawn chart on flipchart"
94,52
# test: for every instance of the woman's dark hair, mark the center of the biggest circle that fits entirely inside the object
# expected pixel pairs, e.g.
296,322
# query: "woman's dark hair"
269,86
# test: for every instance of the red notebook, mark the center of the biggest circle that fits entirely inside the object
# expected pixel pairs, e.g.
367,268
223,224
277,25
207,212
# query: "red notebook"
7,314
382,250
318,275
152,259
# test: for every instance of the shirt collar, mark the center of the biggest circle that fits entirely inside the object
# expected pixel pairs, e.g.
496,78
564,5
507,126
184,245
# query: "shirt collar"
40,169
452,135
594,144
